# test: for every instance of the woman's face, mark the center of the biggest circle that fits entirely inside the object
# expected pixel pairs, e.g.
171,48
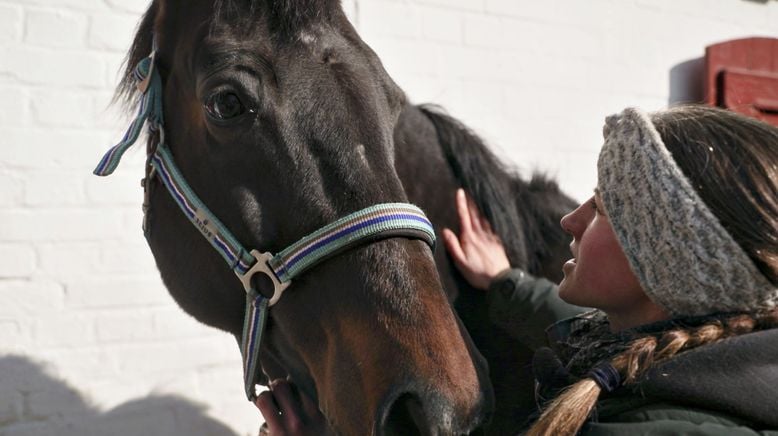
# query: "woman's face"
599,274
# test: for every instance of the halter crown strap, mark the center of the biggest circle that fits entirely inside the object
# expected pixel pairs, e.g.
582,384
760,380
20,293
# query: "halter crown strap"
375,222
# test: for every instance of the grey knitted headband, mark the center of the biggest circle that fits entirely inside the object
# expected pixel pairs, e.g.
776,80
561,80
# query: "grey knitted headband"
683,257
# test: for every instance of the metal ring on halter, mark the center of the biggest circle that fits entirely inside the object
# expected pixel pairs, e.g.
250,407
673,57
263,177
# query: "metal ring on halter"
262,266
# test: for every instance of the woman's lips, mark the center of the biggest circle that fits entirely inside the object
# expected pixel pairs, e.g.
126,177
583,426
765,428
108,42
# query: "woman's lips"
569,265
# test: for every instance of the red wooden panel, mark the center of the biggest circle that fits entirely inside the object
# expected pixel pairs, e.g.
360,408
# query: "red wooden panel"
752,94
742,75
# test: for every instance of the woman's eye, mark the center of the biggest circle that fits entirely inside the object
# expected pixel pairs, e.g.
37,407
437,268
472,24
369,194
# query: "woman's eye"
594,205
224,106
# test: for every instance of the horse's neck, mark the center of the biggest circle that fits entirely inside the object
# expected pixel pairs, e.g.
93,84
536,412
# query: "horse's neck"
430,183
422,167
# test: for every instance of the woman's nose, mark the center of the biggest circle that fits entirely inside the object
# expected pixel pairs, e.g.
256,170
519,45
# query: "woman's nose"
576,221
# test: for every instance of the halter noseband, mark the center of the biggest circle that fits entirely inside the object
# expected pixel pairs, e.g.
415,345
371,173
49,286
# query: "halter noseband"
376,222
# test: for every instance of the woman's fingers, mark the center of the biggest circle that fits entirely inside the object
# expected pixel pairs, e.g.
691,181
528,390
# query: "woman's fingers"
454,247
287,400
465,224
269,409
475,215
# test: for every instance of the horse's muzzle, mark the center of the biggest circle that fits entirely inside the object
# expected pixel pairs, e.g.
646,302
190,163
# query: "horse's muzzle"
423,412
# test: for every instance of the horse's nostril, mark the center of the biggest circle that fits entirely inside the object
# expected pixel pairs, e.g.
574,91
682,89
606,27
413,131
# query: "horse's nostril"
406,417
431,415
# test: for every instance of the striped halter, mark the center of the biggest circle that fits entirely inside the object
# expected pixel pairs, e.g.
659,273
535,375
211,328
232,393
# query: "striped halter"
376,222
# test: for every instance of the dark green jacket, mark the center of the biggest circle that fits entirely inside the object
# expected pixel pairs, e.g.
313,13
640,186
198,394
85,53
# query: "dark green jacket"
725,388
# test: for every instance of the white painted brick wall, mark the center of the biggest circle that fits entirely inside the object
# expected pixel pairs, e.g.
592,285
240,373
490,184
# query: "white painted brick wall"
90,341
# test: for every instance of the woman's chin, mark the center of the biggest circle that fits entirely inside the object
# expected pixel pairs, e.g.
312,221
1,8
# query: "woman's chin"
563,290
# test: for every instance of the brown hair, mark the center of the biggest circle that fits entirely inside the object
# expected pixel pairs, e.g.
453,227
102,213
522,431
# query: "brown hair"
732,163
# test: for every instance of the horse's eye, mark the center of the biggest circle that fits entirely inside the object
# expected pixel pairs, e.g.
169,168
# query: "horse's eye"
224,106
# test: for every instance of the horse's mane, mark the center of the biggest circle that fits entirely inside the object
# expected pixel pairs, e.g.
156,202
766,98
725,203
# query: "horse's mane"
525,214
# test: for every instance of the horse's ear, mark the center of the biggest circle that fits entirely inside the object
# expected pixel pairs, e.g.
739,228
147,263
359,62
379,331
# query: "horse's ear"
140,48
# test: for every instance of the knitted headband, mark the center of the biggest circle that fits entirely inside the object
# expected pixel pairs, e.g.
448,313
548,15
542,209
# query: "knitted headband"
683,257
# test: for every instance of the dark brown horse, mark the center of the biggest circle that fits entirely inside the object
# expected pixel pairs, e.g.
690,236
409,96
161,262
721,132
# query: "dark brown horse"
283,120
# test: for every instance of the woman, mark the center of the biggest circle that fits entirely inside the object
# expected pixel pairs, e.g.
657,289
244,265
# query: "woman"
678,253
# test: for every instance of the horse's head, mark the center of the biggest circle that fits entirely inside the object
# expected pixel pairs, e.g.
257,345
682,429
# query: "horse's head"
281,119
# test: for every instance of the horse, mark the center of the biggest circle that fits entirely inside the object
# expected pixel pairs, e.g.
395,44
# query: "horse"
283,120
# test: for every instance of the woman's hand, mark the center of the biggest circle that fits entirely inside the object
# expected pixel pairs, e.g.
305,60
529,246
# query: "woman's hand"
478,252
289,412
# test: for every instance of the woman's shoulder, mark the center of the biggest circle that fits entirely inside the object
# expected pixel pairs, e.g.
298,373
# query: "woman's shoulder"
737,376
644,416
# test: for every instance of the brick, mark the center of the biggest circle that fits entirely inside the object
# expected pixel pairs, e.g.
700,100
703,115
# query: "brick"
11,404
509,33
15,335
521,9
211,348
121,188
221,381
63,68
10,23
170,383
22,298
173,323
19,225
68,260
110,115
461,62
124,326
90,5
442,25
112,31
127,257
136,7
59,107
55,28
468,5
19,260
62,330
14,106
12,190
55,148
56,399
483,30
116,292
379,18
86,363
156,419
37,428
54,188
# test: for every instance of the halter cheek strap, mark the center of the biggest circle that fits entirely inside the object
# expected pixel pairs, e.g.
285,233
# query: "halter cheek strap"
375,222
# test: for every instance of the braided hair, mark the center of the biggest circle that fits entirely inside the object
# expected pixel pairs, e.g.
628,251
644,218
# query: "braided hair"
567,413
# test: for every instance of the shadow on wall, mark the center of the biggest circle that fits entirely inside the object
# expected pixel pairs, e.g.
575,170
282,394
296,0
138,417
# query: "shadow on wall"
686,82
33,403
